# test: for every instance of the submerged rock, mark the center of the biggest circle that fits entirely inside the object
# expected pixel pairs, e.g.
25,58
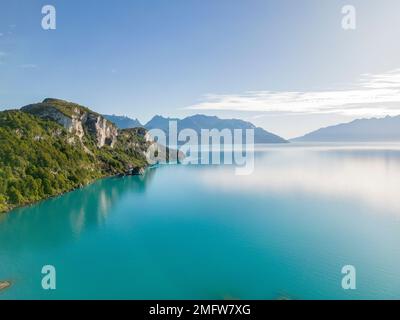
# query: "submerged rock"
284,297
4,285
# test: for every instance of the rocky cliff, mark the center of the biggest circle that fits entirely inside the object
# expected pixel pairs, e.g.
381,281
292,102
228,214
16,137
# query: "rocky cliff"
55,146
76,119
87,125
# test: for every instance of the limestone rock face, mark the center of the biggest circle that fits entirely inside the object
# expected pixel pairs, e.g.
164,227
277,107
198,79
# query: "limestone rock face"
77,120
140,140
104,131
83,123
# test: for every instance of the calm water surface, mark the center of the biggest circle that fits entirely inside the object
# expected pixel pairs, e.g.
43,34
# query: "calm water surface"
200,232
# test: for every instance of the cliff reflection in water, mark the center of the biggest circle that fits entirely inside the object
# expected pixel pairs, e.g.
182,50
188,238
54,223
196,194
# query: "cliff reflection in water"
201,232
67,216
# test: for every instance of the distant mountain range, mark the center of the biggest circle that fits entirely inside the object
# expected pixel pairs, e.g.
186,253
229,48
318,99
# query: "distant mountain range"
361,130
123,122
198,122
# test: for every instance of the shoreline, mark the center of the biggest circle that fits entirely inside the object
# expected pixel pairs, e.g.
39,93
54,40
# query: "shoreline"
26,205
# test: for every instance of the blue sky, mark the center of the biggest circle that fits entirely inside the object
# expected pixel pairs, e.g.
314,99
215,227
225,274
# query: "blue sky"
259,60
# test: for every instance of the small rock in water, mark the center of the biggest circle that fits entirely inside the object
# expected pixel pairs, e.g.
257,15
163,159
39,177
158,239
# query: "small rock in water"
4,285
136,171
284,297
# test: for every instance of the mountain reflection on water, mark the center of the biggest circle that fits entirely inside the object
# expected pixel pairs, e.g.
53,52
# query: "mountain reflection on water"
67,216
201,232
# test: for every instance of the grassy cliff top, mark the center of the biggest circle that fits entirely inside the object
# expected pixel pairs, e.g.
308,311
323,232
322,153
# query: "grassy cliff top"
65,107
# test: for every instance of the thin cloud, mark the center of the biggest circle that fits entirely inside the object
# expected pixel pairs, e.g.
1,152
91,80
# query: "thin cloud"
372,95
28,66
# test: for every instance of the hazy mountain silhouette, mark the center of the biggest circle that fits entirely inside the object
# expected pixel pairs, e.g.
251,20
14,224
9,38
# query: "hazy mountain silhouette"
123,122
198,122
361,130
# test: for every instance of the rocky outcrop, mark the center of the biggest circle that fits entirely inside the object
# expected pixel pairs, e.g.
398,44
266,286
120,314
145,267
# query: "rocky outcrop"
73,122
81,121
4,285
158,154
67,146
76,119
104,131
135,171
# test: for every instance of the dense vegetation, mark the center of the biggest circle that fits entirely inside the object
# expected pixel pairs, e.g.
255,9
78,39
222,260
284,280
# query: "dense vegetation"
38,159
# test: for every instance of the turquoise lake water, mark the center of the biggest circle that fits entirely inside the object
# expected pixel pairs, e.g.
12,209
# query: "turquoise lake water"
201,232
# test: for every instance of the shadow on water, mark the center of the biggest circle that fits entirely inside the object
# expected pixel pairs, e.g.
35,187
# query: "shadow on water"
65,217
